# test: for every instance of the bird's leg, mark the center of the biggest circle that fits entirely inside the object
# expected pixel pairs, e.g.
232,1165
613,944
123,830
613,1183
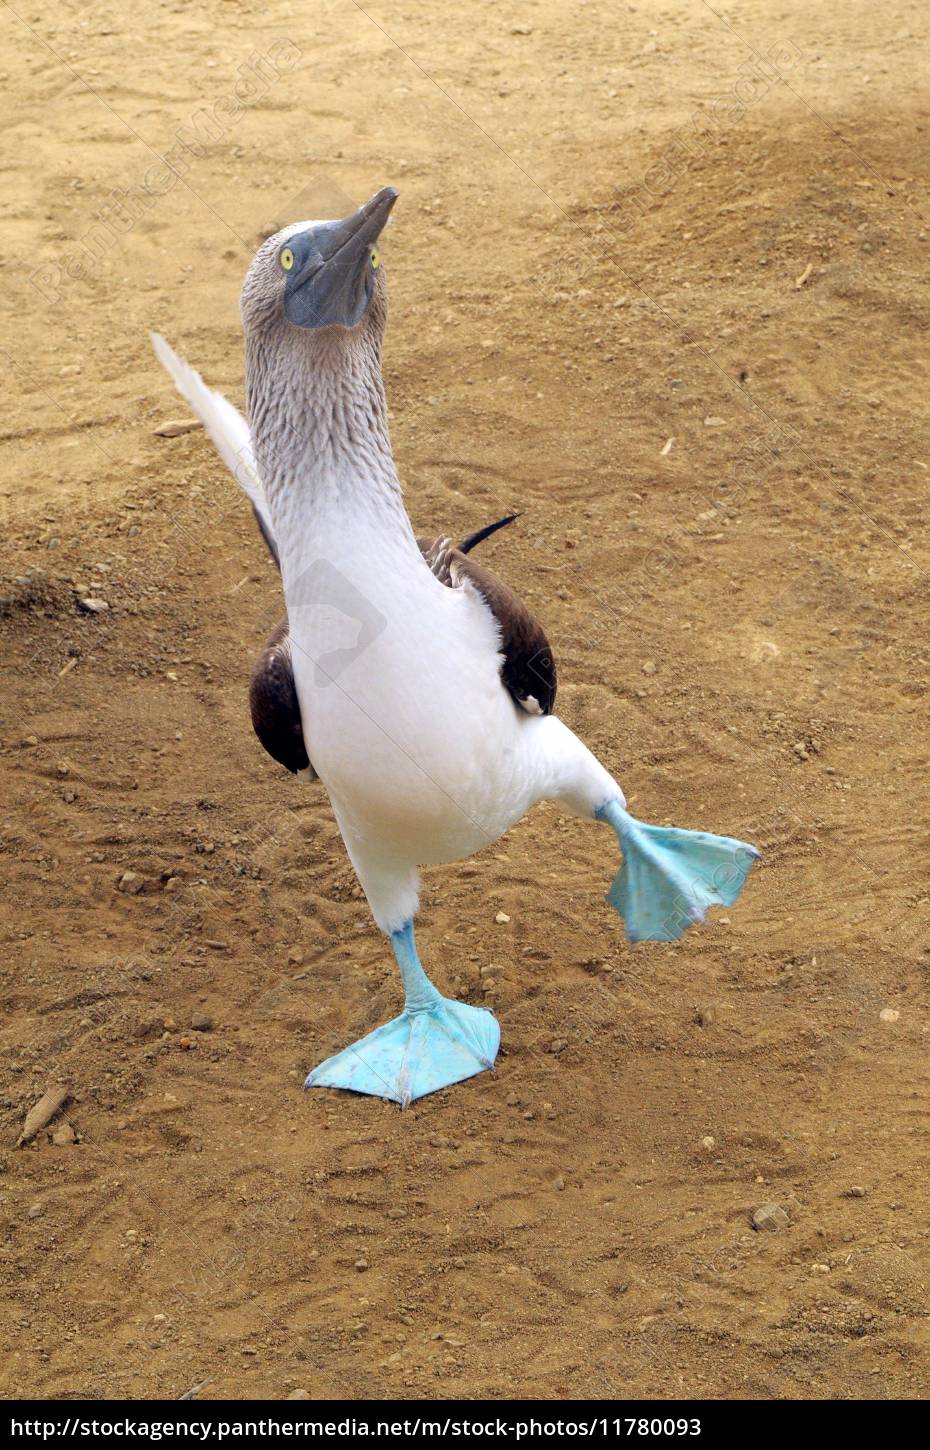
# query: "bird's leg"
433,1043
419,993
670,877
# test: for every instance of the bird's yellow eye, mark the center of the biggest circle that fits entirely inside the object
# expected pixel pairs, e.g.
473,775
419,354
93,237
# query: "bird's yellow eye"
287,259
375,257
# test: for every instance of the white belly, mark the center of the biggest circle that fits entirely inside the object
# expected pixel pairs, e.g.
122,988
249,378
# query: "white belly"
405,717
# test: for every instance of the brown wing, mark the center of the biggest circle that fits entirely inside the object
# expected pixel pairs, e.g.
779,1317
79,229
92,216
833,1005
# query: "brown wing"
273,703
528,670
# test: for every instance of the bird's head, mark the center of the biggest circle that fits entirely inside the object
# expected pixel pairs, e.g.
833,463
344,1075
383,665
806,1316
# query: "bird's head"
320,277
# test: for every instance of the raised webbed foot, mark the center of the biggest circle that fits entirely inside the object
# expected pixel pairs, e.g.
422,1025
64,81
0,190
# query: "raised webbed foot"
670,877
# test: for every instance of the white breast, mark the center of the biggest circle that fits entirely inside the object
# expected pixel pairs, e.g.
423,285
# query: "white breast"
406,720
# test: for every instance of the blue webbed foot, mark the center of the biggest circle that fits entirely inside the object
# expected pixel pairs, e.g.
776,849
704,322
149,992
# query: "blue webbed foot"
433,1043
415,1054
670,877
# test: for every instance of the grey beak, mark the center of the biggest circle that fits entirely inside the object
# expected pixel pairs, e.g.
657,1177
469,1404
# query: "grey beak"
333,279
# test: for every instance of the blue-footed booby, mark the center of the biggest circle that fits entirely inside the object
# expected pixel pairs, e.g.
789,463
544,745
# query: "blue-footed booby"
408,678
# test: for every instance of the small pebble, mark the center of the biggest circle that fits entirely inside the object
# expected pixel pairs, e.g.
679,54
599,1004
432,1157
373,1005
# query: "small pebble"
92,605
175,429
200,1022
130,883
361,1265
857,1191
770,1218
501,918
889,1014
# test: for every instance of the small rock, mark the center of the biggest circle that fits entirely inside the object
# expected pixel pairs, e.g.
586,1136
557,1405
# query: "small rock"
820,1268
557,1045
708,1141
200,1022
361,1265
175,428
649,668
92,605
296,956
501,918
299,1395
857,1191
800,750
714,422
64,1136
706,1016
130,883
36,1210
770,1218
889,1014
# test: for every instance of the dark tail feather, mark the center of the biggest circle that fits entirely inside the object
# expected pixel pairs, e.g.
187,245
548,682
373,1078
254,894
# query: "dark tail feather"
480,535
272,546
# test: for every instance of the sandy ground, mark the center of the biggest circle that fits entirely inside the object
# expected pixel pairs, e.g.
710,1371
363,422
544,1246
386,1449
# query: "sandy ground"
619,225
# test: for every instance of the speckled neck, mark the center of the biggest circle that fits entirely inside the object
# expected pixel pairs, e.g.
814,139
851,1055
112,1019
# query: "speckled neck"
319,423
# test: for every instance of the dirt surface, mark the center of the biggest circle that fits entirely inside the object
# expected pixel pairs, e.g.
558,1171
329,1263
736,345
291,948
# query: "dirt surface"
619,225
